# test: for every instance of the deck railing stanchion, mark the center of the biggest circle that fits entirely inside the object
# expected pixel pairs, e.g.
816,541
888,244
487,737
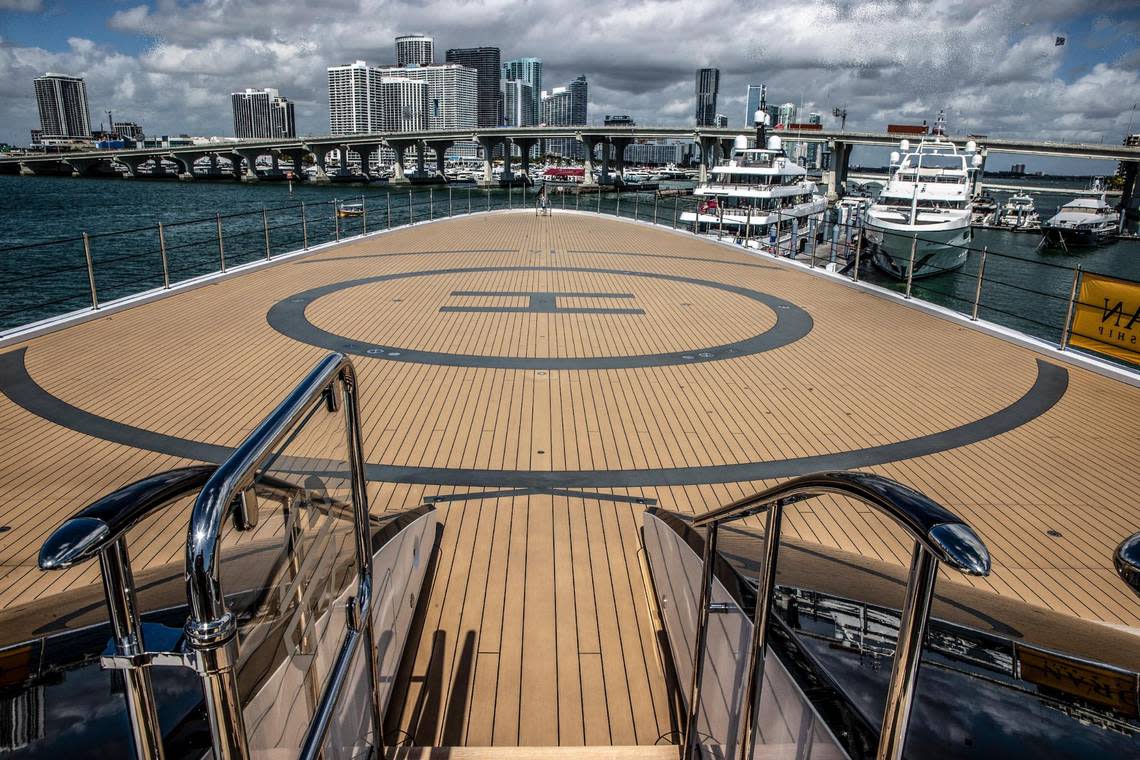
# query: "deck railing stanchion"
363,216
1068,314
617,208
388,208
510,195
766,584
304,227
564,200
265,230
336,218
812,255
978,287
409,207
450,212
859,253
692,736
90,271
221,241
599,200
431,203
674,212
910,266
636,205
468,200
655,196
488,201
162,251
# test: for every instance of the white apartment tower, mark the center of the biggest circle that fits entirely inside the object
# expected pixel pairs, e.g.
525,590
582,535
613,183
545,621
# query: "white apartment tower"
403,104
354,99
415,50
262,114
452,93
62,102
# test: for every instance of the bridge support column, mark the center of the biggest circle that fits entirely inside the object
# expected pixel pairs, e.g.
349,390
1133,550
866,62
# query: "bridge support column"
836,174
421,149
26,169
1129,202
489,144
297,157
365,152
710,147
250,158
589,142
526,145
440,147
399,173
81,166
132,163
620,144
185,163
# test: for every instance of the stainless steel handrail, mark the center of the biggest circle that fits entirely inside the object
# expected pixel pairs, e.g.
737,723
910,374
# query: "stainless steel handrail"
939,536
100,530
1126,558
211,630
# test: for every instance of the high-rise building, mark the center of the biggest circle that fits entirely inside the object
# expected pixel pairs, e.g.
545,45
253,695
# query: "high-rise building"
773,114
489,71
708,85
403,104
262,114
415,50
579,100
787,114
452,95
128,130
528,70
757,94
62,102
518,103
562,107
354,99
813,154
721,120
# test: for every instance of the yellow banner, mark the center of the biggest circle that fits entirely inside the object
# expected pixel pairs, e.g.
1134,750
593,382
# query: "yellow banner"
1106,318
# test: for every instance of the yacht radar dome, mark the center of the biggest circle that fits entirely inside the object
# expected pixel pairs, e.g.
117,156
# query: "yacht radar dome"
761,117
774,143
894,157
740,143
904,146
971,147
977,160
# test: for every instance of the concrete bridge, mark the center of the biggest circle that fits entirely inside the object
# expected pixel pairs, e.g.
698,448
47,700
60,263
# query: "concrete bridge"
714,143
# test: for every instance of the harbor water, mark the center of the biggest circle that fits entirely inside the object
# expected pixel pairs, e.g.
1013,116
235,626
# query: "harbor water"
44,272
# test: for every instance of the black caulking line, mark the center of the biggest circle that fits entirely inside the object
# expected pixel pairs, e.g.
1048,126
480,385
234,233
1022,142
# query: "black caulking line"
1049,387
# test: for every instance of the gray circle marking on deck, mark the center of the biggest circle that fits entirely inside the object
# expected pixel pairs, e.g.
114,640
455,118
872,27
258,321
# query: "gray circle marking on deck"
288,318
1049,387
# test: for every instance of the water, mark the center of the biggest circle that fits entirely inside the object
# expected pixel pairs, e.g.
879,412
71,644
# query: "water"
1026,288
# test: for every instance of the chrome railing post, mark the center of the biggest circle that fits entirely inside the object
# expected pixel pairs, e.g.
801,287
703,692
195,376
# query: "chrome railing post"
655,197
304,228
510,195
599,200
858,252
468,200
410,211
910,266
674,212
214,647
766,584
142,710
388,208
978,286
363,216
708,564
450,212
617,207
904,671
162,252
564,200
636,205
1068,313
265,229
577,200
431,203
221,242
336,218
90,272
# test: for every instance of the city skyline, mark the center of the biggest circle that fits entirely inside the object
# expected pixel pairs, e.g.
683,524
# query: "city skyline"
995,70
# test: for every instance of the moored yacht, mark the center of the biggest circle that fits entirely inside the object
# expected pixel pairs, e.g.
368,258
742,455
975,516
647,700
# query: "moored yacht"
758,189
1018,213
984,209
924,212
1082,222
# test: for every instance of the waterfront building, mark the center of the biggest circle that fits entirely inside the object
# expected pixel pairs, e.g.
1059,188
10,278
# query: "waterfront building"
62,102
721,120
488,73
262,114
812,149
128,130
415,50
655,153
619,121
786,114
773,114
403,104
579,98
566,106
452,94
708,85
753,101
354,99
518,103
528,70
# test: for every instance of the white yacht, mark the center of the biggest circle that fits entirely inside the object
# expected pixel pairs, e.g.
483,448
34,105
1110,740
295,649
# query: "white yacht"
758,192
928,196
1084,221
1018,213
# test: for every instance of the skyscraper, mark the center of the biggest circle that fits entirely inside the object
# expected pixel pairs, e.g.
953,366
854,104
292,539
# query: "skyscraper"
262,114
452,94
518,103
579,99
488,69
563,107
62,102
403,104
354,99
708,85
528,70
813,148
756,95
721,120
415,49
787,114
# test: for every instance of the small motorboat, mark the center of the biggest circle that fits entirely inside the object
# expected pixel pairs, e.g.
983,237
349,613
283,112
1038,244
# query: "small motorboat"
350,209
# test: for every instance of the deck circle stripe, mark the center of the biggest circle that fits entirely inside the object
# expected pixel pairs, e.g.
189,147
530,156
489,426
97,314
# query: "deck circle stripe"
1049,387
288,318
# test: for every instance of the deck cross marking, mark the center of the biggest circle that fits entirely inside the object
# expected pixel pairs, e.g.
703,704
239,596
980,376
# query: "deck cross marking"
539,302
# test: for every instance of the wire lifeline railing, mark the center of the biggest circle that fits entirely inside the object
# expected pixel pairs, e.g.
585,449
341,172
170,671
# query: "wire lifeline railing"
320,222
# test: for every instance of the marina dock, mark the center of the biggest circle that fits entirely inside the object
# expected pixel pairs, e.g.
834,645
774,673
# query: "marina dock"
541,380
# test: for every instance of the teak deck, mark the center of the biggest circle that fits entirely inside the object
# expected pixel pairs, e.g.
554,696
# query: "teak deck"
544,439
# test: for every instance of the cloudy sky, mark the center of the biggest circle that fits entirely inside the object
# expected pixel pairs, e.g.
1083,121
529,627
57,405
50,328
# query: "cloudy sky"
992,64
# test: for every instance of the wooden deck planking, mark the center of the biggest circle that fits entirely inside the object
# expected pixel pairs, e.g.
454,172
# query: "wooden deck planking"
549,585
